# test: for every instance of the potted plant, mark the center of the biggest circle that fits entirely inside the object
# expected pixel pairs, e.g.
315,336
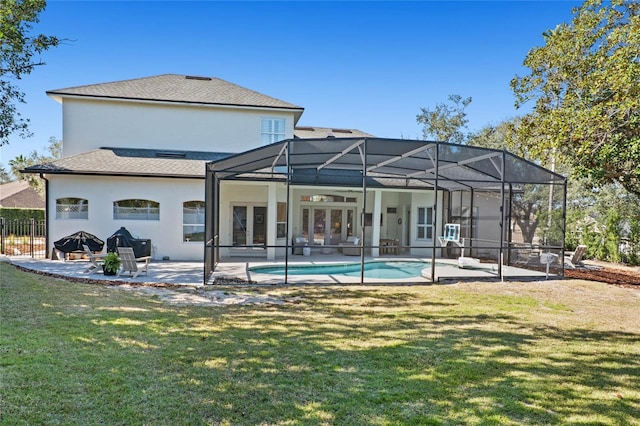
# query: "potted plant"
111,263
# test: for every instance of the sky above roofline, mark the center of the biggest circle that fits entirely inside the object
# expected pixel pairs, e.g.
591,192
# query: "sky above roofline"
364,65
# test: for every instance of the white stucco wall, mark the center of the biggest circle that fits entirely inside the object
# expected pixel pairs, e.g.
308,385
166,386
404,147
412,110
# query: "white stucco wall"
101,192
90,124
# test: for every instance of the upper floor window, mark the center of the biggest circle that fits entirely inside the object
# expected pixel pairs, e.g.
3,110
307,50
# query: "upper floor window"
136,210
425,223
72,208
193,221
272,130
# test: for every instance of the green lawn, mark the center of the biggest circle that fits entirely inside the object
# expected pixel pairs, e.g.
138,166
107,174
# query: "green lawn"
556,352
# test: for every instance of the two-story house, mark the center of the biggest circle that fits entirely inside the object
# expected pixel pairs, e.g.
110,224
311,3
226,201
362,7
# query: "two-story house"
139,153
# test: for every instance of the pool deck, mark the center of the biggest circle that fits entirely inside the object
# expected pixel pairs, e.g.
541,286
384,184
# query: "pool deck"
446,269
191,274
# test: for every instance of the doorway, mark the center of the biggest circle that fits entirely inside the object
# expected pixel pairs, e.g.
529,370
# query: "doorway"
249,227
393,228
327,225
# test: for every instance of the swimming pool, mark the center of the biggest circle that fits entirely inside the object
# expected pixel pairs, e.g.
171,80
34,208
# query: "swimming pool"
372,269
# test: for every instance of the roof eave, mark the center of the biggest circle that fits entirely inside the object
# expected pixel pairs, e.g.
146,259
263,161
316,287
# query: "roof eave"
60,96
114,174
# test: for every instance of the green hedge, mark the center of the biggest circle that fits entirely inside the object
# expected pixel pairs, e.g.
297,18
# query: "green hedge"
13,213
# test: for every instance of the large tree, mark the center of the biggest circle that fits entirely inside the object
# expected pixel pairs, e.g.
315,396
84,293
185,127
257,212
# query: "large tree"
585,82
446,122
19,55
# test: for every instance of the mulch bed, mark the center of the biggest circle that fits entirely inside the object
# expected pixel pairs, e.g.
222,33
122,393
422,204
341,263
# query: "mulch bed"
618,277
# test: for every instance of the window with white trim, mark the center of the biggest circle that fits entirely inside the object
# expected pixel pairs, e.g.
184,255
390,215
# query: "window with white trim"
272,130
424,223
72,208
193,221
136,210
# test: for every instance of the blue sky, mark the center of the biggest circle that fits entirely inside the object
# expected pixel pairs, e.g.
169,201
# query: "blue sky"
358,64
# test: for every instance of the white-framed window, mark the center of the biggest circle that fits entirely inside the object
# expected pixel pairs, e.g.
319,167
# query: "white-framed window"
424,223
272,130
136,210
72,208
193,221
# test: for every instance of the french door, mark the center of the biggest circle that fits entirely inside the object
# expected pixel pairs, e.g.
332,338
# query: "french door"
249,227
327,225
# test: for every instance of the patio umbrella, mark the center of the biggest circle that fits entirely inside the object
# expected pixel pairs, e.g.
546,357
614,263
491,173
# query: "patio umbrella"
74,242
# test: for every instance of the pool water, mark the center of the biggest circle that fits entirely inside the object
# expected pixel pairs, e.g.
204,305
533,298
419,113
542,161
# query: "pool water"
376,269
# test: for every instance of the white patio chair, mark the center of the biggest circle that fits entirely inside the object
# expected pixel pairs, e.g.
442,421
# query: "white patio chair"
131,264
96,260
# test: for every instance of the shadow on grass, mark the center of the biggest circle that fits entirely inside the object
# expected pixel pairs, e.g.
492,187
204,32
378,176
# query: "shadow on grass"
79,354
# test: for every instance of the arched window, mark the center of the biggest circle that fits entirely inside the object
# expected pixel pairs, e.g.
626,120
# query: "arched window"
136,210
193,221
72,208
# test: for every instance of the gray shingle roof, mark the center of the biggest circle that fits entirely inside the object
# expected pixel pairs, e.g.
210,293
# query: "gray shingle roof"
20,194
177,88
313,132
132,162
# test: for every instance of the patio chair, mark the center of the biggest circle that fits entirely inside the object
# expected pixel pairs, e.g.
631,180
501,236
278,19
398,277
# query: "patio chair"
389,246
94,258
350,247
131,264
298,244
575,259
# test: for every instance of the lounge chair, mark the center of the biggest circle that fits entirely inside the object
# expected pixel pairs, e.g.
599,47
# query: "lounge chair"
131,264
96,260
575,259
350,247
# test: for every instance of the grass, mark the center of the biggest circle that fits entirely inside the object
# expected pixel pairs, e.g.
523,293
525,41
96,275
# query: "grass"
556,352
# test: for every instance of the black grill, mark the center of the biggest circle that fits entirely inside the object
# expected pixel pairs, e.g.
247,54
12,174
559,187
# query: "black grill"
123,238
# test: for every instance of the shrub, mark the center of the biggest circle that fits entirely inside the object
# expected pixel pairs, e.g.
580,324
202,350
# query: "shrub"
11,213
112,263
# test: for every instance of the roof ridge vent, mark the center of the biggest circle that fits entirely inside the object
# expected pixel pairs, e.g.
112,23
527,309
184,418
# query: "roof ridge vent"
197,77
171,154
